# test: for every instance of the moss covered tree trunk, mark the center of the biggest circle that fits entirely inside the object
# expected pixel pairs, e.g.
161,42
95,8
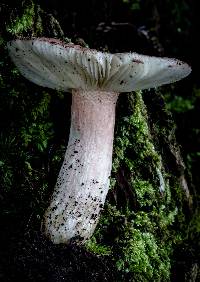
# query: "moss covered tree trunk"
143,219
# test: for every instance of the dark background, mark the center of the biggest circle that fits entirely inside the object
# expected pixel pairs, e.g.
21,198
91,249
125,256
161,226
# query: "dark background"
163,28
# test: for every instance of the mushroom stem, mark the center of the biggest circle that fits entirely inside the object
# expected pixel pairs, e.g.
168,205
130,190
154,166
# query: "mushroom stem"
83,181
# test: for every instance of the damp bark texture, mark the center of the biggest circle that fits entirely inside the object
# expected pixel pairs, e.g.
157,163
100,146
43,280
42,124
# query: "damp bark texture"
83,180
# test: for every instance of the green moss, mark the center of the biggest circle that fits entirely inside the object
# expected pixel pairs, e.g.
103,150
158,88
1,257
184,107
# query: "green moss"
142,255
98,249
26,132
145,193
29,20
133,4
38,130
142,235
179,104
134,134
24,22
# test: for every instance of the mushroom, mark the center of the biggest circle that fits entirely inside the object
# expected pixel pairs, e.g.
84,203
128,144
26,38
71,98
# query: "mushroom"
95,80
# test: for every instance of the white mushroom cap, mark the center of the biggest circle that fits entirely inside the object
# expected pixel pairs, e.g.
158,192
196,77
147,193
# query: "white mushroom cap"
83,180
54,64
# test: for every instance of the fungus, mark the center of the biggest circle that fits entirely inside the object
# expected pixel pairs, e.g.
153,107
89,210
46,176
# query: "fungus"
95,80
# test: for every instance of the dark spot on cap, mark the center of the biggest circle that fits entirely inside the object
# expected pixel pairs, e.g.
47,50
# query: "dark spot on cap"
137,61
94,216
54,208
121,82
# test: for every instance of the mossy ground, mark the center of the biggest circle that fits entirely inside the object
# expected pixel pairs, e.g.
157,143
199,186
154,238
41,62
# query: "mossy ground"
145,216
143,231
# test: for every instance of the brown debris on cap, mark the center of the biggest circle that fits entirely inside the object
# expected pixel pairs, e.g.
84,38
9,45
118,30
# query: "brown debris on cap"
52,63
